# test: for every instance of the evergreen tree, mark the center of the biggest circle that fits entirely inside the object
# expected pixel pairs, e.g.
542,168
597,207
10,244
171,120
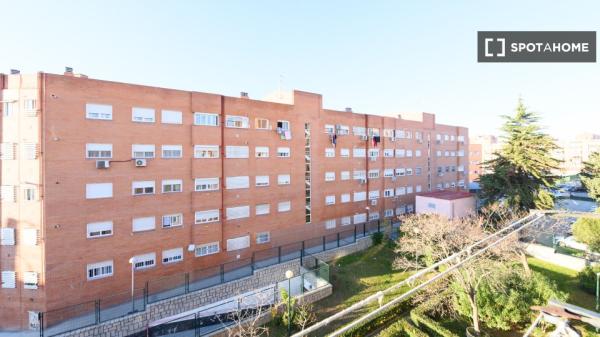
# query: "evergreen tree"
590,176
521,172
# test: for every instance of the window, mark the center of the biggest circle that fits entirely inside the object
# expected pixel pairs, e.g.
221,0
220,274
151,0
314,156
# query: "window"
172,255
388,153
30,151
172,151
7,236
171,117
418,188
283,125
99,270
388,173
373,174
98,151
263,237
446,153
410,208
7,151
461,138
144,261
409,153
400,190
262,124
330,224
284,206
409,171
98,190
9,279
238,212
143,224
330,152
346,220
399,134
329,176
9,109
438,153
342,130
283,152
172,220
172,186
236,152
409,189
262,151
360,196
400,172
263,209
446,137
142,150
330,129
344,153
98,111
207,216
201,118
388,132
373,195
359,174
29,193
99,229
401,210
461,153
360,218
237,122
206,151
330,200
388,193
373,153
238,243
359,153
373,215
233,183
283,179
359,131
345,175
142,187
29,236
400,153
373,132
206,184
262,180
207,249
143,115
7,193
388,213
418,171
345,197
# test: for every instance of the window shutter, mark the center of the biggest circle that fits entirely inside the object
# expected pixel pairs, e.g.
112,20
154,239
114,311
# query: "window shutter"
144,224
238,243
29,236
238,212
9,279
30,150
30,280
7,236
7,151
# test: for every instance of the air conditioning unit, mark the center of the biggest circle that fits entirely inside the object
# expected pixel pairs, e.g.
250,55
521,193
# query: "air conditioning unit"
374,202
191,247
364,137
140,163
102,164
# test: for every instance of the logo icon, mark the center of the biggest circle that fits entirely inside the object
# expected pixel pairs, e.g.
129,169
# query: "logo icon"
502,44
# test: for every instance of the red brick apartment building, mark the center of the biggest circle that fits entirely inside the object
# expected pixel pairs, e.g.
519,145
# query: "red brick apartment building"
97,172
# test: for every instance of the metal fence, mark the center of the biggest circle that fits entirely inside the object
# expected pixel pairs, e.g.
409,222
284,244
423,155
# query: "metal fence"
94,312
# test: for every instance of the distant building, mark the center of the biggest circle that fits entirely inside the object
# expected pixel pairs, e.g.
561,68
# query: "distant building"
481,149
574,152
449,203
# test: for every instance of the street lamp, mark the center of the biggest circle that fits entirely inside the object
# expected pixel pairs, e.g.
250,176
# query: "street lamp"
597,291
132,263
288,275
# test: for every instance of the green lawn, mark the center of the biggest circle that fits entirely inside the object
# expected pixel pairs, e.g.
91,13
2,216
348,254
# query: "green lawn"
355,277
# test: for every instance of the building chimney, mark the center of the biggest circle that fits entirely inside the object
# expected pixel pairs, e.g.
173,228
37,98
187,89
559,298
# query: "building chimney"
244,94
68,71
15,71
348,109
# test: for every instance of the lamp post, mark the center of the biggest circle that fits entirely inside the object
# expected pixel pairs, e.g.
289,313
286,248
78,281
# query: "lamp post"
132,263
597,291
289,274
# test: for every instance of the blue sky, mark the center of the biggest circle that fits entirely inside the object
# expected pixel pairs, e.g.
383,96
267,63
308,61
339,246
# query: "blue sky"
375,56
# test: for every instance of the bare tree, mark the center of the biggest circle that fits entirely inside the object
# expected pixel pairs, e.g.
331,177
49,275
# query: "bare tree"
427,239
304,315
248,319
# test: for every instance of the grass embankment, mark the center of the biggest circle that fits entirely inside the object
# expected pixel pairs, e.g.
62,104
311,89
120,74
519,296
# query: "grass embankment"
355,277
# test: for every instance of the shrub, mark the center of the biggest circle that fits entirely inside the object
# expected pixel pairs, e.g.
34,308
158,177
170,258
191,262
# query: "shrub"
377,238
402,328
587,279
587,230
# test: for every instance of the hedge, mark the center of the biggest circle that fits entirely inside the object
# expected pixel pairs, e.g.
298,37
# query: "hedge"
424,322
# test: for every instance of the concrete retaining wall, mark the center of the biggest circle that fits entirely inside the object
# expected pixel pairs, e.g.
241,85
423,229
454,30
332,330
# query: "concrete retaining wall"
131,324
547,254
